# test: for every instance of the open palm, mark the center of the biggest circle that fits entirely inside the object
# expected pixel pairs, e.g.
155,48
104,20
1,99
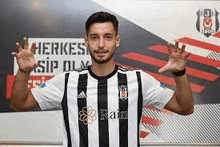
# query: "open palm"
177,60
25,57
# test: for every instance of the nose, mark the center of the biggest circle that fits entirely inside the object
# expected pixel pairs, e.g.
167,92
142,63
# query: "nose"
101,43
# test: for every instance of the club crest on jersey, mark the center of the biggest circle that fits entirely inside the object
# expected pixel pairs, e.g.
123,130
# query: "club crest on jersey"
207,21
123,92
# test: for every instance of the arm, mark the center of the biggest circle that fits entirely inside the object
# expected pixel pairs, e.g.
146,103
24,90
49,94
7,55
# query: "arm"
21,97
182,99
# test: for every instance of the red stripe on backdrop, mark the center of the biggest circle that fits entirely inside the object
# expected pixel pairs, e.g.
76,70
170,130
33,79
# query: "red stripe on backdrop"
167,80
32,82
150,108
168,112
161,63
164,111
144,134
170,81
151,121
200,44
192,57
217,34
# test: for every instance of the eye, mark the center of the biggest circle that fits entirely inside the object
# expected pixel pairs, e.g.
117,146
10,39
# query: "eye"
108,37
93,37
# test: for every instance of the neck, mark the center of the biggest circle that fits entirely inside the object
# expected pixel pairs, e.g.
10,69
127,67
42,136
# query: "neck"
103,69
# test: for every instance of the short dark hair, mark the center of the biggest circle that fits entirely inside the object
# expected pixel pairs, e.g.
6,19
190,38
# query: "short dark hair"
100,17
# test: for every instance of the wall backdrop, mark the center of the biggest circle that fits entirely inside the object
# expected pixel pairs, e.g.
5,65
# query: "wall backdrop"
145,29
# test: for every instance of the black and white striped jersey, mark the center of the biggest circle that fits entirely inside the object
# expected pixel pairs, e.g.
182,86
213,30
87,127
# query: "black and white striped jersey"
101,111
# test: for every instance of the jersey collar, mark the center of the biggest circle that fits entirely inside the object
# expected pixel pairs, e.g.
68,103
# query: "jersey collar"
103,77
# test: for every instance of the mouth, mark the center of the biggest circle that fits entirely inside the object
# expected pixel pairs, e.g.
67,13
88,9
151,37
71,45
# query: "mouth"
100,52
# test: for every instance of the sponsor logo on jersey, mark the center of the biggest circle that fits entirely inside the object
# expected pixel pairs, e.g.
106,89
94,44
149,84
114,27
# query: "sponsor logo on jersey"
82,95
87,115
106,114
207,21
123,92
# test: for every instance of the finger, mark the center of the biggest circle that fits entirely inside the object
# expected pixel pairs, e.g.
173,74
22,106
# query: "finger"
25,43
176,47
18,47
33,47
14,54
187,55
169,48
183,48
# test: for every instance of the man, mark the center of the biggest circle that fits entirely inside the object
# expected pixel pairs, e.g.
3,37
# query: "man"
102,103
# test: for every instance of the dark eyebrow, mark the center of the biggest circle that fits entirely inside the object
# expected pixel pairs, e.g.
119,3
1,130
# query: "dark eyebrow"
93,34
109,34
104,34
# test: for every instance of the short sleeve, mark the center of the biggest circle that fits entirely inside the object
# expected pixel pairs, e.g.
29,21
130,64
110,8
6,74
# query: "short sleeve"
154,93
50,94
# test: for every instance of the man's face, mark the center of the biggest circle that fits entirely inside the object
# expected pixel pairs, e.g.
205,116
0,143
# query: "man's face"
102,41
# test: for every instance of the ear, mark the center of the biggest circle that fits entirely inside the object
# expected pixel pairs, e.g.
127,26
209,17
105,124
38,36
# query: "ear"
118,39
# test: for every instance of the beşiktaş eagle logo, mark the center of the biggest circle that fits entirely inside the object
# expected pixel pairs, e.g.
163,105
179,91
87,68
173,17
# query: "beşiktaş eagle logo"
207,21
123,92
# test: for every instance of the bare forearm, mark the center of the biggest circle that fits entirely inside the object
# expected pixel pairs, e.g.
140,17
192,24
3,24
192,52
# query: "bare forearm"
21,97
20,89
183,93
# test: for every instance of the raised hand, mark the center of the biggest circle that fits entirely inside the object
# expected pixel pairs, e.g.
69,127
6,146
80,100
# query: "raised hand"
177,58
25,57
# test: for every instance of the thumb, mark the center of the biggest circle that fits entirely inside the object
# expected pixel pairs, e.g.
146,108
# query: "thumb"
35,64
14,54
163,69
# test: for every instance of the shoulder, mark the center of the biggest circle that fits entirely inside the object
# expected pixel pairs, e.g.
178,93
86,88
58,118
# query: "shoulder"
133,70
126,69
143,75
66,74
79,70
76,71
